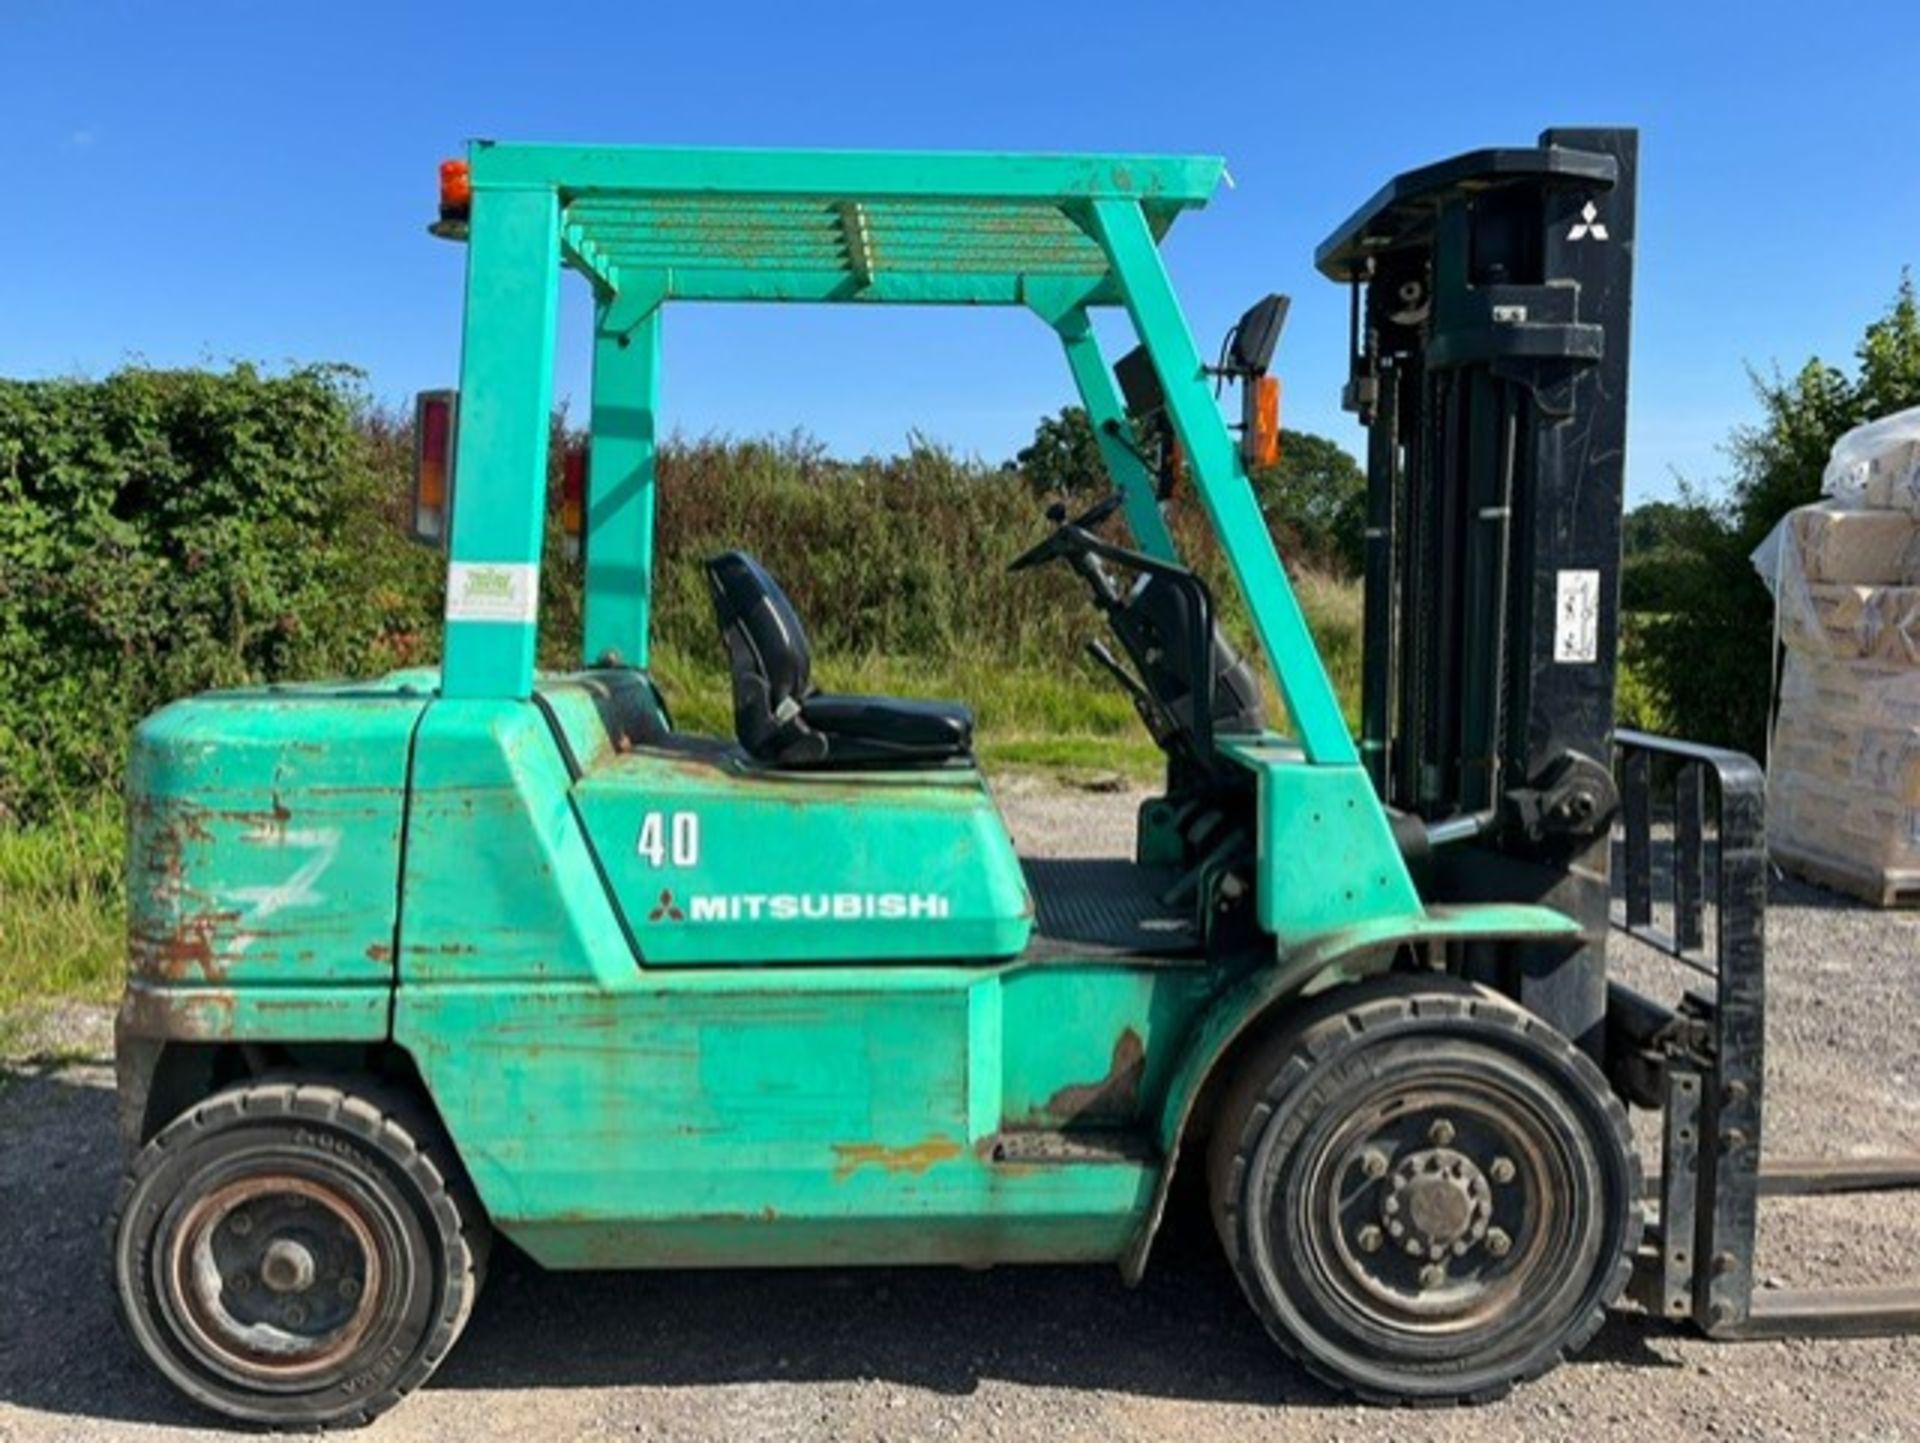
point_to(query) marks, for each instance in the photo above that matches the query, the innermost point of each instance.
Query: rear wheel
(292, 1254)
(1427, 1193)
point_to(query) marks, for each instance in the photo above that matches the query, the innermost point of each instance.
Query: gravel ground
(1054, 1353)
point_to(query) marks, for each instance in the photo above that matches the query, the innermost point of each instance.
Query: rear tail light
(435, 415)
(573, 496)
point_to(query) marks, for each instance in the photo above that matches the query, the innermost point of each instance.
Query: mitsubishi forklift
(486, 951)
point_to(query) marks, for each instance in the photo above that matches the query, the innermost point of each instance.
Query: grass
(62, 910)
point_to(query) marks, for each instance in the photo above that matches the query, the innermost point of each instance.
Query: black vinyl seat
(778, 715)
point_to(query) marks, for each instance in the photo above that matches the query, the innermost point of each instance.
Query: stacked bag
(1843, 791)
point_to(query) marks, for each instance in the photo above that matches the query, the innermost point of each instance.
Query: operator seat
(778, 715)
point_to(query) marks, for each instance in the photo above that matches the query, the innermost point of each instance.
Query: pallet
(1881, 886)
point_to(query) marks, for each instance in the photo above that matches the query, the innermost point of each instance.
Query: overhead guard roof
(818, 225)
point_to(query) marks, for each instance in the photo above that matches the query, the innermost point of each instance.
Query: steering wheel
(1059, 541)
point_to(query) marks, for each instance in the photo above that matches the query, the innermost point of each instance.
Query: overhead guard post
(506, 389)
(620, 482)
(1222, 483)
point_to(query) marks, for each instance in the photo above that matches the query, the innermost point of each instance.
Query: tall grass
(63, 902)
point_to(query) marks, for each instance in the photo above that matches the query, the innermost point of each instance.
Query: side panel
(1092, 1046)
(730, 1119)
(265, 838)
(715, 864)
(499, 882)
(619, 1115)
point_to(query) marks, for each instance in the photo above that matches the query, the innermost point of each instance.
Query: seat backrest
(767, 652)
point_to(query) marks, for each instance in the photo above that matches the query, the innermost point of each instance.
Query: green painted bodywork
(674, 1007)
(851, 867)
(265, 834)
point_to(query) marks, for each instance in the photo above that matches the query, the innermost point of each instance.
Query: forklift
(484, 950)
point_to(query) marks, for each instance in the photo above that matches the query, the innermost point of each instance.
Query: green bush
(162, 532)
(1702, 642)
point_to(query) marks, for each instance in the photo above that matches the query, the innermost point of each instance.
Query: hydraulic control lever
(1153, 715)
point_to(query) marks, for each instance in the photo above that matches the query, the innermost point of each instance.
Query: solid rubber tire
(1309, 1064)
(380, 1143)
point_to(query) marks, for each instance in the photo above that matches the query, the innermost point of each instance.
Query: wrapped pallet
(1843, 785)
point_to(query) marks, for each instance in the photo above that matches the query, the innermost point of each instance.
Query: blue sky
(190, 183)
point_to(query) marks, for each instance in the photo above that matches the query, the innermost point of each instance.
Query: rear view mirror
(1139, 383)
(435, 415)
(1256, 335)
(1146, 403)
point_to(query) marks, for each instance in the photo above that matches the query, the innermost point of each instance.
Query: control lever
(1157, 723)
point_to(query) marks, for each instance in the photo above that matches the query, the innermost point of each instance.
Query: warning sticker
(1576, 616)
(492, 591)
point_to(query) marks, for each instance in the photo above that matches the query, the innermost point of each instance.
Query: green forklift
(484, 951)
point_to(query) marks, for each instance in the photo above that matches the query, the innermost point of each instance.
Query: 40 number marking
(670, 839)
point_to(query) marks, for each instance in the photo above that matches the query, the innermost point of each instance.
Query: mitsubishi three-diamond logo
(667, 910)
(1589, 226)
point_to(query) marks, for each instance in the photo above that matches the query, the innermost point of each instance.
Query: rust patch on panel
(914, 1157)
(1114, 1096)
(184, 950)
(192, 1017)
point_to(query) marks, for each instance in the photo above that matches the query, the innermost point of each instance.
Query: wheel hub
(1438, 1217)
(287, 1266)
(1437, 1201)
(278, 1275)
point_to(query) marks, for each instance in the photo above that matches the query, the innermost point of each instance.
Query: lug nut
(1498, 1243)
(1370, 1239)
(1374, 1164)
(1412, 1245)
(1432, 1275)
(1441, 1133)
(1501, 1170)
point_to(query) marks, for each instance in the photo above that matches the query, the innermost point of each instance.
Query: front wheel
(1427, 1193)
(293, 1254)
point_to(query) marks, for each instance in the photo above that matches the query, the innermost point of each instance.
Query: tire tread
(383, 1119)
(1304, 1044)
